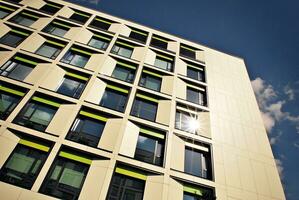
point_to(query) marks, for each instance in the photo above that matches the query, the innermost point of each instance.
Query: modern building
(96, 107)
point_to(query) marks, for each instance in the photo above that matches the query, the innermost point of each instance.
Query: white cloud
(289, 92)
(269, 121)
(275, 139)
(279, 168)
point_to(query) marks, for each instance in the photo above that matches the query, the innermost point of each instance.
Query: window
(24, 18)
(159, 42)
(76, 57)
(182, 121)
(79, 17)
(66, 176)
(138, 35)
(197, 193)
(51, 8)
(13, 38)
(57, 28)
(150, 147)
(198, 163)
(195, 73)
(114, 98)
(87, 128)
(18, 68)
(151, 80)
(24, 164)
(195, 96)
(99, 42)
(126, 185)
(101, 23)
(72, 85)
(122, 49)
(9, 98)
(5, 10)
(124, 72)
(163, 62)
(37, 114)
(145, 107)
(188, 52)
(50, 49)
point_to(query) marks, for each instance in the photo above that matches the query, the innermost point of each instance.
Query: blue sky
(264, 33)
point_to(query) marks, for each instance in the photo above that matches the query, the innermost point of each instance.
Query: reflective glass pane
(7, 104)
(79, 60)
(48, 51)
(97, 43)
(22, 20)
(20, 72)
(192, 95)
(3, 14)
(11, 39)
(144, 109)
(162, 64)
(122, 73)
(58, 31)
(71, 87)
(114, 100)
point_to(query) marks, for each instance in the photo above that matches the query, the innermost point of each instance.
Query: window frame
(120, 46)
(73, 77)
(59, 47)
(144, 79)
(50, 28)
(24, 15)
(137, 104)
(105, 40)
(73, 54)
(119, 91)
(17, 33)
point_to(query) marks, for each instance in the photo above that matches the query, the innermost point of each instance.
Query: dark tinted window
(8, 102)
(144, 109)
(123, 73)
(159, 42)
(114, 100)
(150, 82)
(138, 35)
(24, 18)
(49, 50)
(56, 28)
(71, 87)
(196, 96)
(12, 39)
(98, 43)
(75, 58)
(16, 70)
(195, 74)
(50, 8)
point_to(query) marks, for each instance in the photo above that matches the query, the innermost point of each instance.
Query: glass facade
(8, 102)
(16, 70)
(123, 73)
(195, 74)
(71, 87)
(144, 109)
(182, 121)
(49, 50)
(98, 43)
(57, 29)
(163, 64)
(75, 58)
(12, 39)
(150, 82)
(24, 19)
(122, 51)
(114, 100)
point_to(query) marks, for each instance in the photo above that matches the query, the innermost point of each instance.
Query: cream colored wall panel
(5, 56)
(150, 57)
(9, 192)
(36, 74)
(108, 65)
(4, 29)
(154, 188)
(177, 153)
(41, 23)
(180, 89)
(27, 194)
(167, 84)
(83, 35)
(180, 67)
(232, 173)
(110, 134)
(95, 91)
(129, 140)
(260, 177)
(175, 190)
(33, 42)
(53, 77)
(94, 62)
(164, 107)
(219, 173)
(246, 172)
(138, 53)
(8, 141)
(173, 46)
(274, 182)
(37, 4)
(94, 180)
(120, 29)
(203, 119)
(65, 12)
(62, 120)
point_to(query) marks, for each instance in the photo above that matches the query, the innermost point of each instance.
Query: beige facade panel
(8, 141)
(173, 46)
(167, 84)
(10, 192)
(62, 120)
(53, 77)
(138, 53)
(37, 4)
(200, 55)
(4, 29)
(95, 91)
(27, 194)
(94, 62)
(163, 112)
(129, 140)
(111, 132)
(107, 65)
(180, 67)
(150, 57)
(36, 74)
(41, 23)
(175, 190)
(79, 34)
(203, 119)
(181, 89)
(177, 153)
(4, 56)
(65, 12)
(154, 186)
(95, 178)
(120, 28)
(33, 42)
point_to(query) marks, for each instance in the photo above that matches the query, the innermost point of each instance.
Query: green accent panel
(125, 44)
(12, 91)
(192, 190)
(7, 8)
(34, 145)
(81, 51)
(195, 67)
(147, 98)
(165, 57)
(83, 78)
(62, 25)
(102, 37)
(104, 21)
(184, 47)
(131, 173)
(55, 43)
(29, 15)
(126, 65)
(81, 14)
(52, 5)
(75, 157)
(45, 101)
(162, 40)
(141, 33)
(117, 89)
(152, 73)
(94, 116)
(19, 32)
(148, 132)
(25, 60)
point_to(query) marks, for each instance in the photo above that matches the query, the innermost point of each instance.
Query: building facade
(96, 107)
